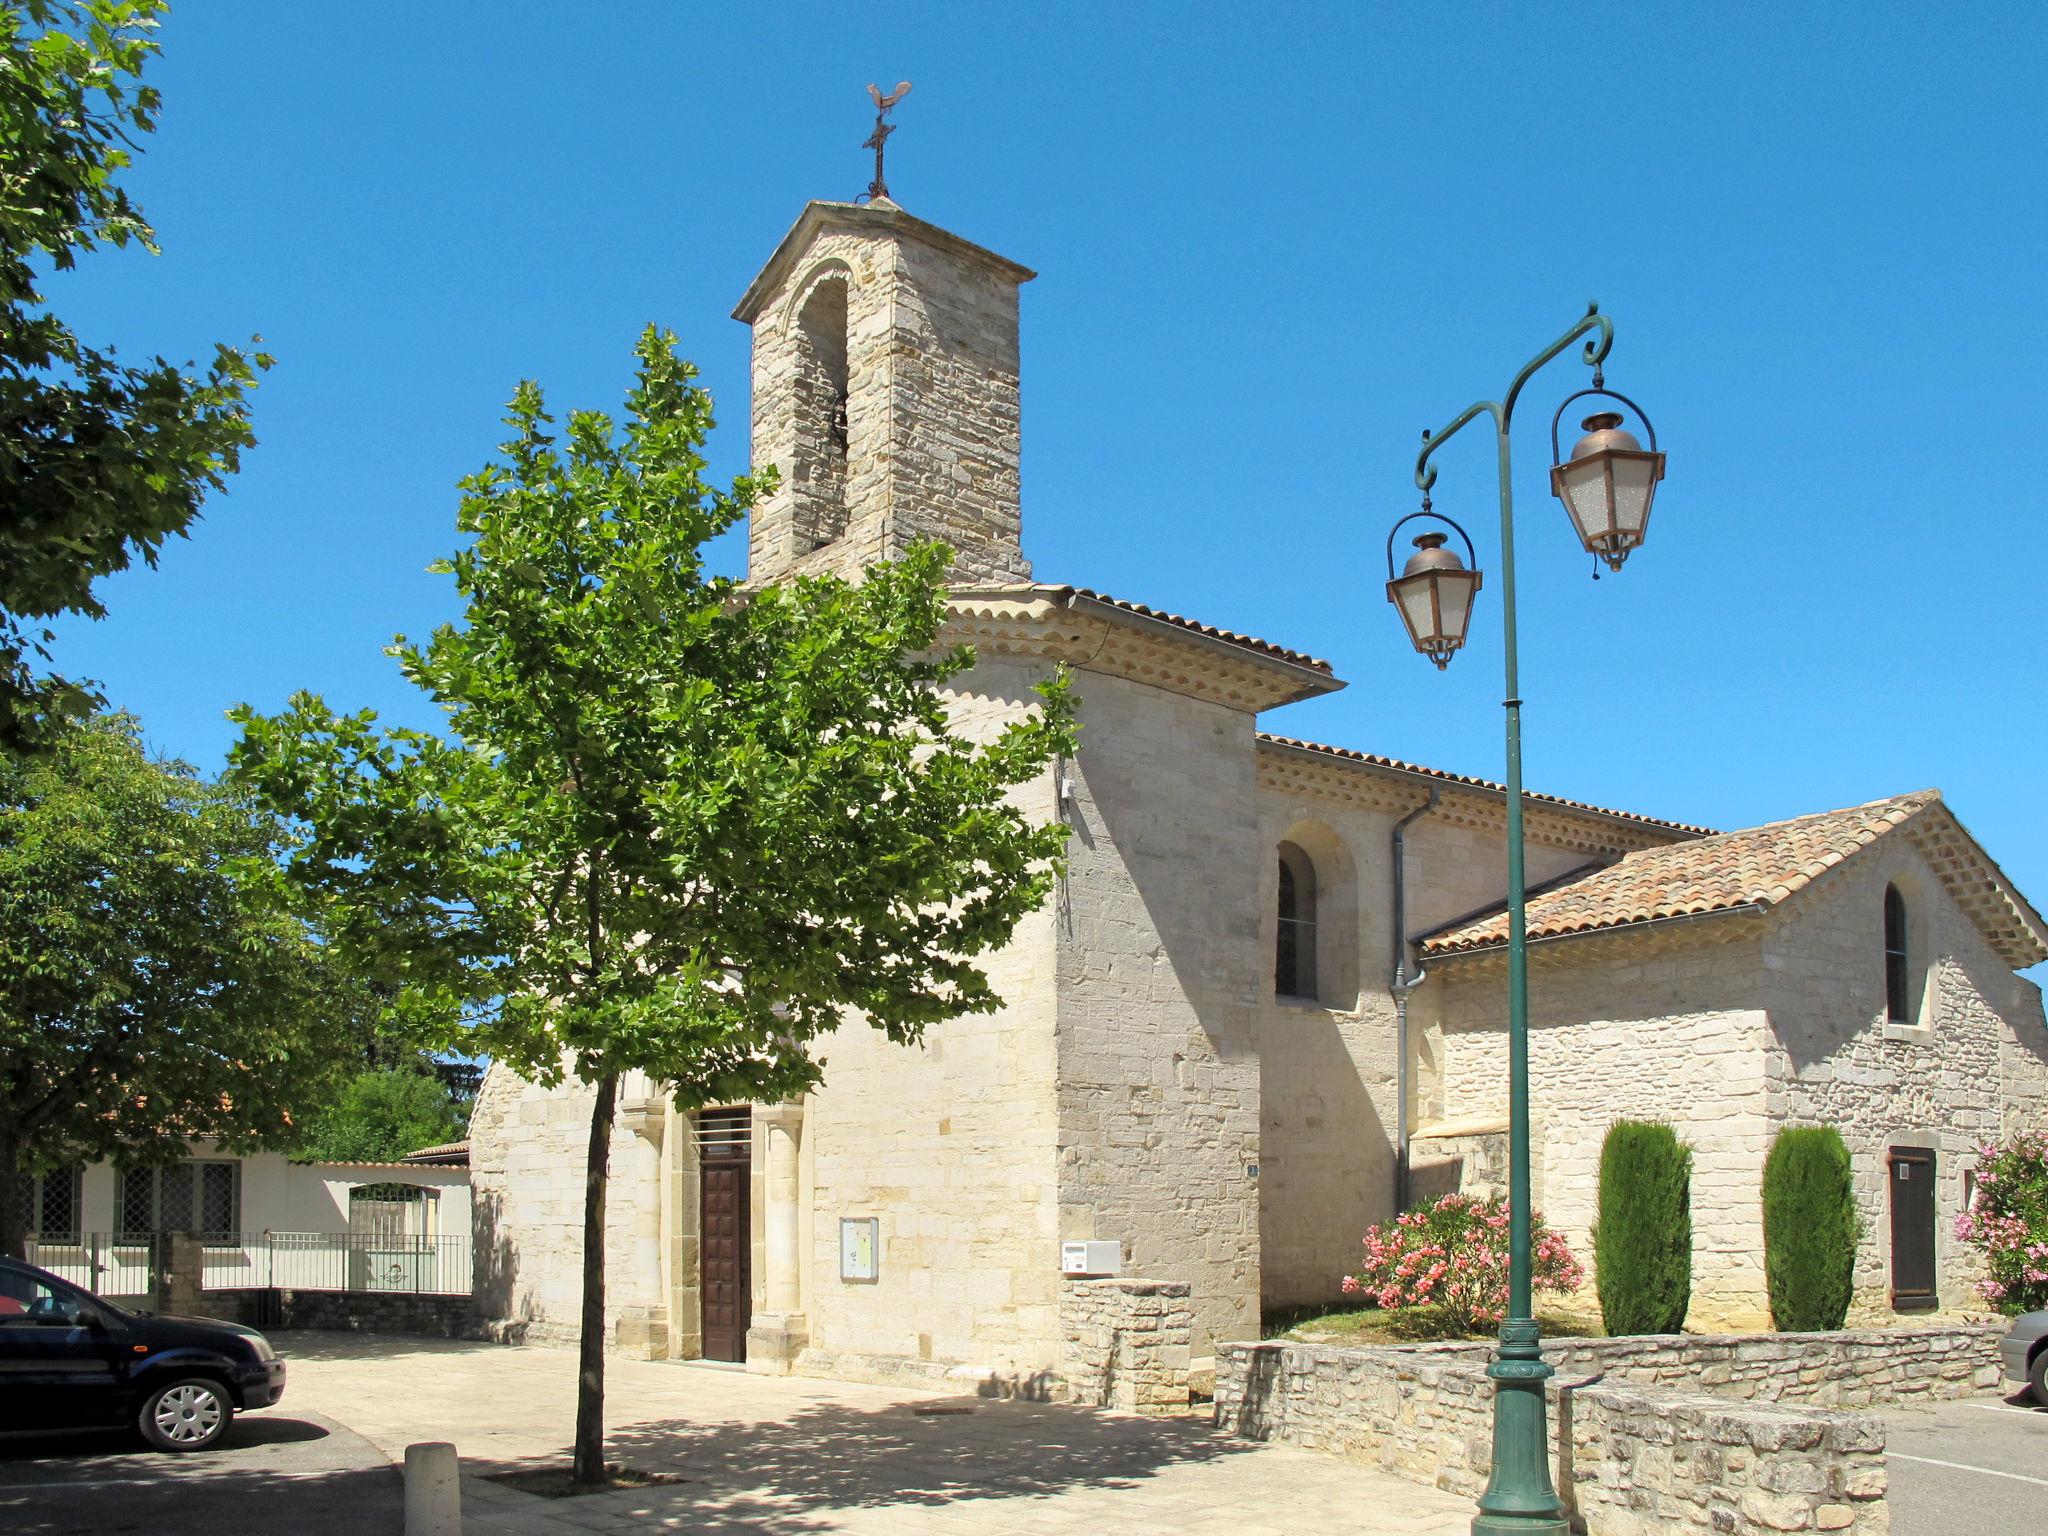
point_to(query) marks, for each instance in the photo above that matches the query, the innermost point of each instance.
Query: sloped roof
(447, 1152)
(1759, 867)
(1373, 760)
(1230, 636)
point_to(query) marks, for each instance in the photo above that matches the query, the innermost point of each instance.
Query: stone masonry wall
(1125, 1344)
(1629, 1455)
(1158, 973)
(527, 1148)
(951, 1146)
(1676, 1035)
(1972, 1067)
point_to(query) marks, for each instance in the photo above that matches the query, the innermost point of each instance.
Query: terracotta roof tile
(1487, 784)
(1755, 867)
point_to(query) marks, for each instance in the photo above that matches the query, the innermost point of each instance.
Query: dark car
(69, 1360)
(2024, 1350)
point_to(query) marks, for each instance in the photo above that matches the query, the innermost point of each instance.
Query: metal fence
(122, 1268)
(339, 1261)
(118, 1266)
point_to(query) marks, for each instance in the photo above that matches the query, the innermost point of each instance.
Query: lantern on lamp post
(1609, 481)
(1434, 591)
(1606, 486)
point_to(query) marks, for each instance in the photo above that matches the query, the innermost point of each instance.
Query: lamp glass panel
(1634, 482)
(1585, 497)
(1454, 598)
(1418, 611)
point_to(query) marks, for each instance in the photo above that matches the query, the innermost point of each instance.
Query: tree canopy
(155, 982)
(100, 460)
(380, 1116)
(674, 826)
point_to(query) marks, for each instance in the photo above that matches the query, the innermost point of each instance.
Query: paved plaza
(775, 1455)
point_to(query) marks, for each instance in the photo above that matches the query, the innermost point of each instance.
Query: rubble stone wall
(1125, 1343)
(1669, 1433)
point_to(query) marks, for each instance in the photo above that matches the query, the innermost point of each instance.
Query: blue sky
(1275, 242)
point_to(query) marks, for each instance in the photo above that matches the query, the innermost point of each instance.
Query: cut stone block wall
(1628, 1455)
(1328, 1066)
(1678, 1035)
(1156, 982)
(1125, 1343)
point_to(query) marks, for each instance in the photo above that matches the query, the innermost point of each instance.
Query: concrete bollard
(433, 1490)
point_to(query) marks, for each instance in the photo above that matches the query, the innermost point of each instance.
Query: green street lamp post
(1606, 486)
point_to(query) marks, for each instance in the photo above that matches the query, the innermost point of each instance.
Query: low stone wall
(448, 1317)
(1125, 1343)
(1737, 1432)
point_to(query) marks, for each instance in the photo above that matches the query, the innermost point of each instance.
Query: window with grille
(50, 1204)
(204, 1197)
(725, 1135)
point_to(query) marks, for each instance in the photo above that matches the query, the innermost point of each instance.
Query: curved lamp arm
(1503, 411)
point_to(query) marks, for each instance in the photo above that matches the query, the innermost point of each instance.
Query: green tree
(380, 1116)
(100, 461)
(675, 827)
(155, 983)
(1642, 1241)
(1810, 1229)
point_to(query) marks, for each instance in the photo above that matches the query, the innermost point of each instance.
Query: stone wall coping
(1132, 1286)
(1956, 1335)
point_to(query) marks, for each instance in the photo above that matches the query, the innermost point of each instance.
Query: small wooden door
(1911, 1177)
(725, 1233)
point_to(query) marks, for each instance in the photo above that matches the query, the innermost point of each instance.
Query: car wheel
(2037, 1376)
(189, 1414)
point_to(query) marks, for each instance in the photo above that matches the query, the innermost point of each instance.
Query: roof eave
(1608, 930)
(819, 214)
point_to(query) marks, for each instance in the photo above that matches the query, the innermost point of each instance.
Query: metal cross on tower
(878, 187)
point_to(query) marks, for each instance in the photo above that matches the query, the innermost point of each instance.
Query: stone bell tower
(885, 391)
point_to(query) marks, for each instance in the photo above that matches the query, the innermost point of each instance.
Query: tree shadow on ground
(789, 1475)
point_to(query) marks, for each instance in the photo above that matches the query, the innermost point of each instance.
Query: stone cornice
(1369, 786)
(1092, 634)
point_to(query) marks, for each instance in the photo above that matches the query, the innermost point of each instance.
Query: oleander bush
(1451, 1253)
(2007, 1222)
(1810, 1229)
(1642, 1242)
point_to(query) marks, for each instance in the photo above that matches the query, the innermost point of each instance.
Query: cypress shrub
(1642, 1243)
(1810, 1229)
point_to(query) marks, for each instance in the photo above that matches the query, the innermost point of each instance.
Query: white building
(259, 1213)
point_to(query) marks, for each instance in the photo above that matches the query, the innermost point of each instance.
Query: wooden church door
(725, 1236)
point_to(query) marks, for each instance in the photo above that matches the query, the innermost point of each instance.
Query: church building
(1267, 1001)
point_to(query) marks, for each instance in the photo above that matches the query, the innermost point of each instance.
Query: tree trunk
(13, 1211)
(589, 1463)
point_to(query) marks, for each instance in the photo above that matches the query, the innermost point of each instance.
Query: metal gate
(1911, 1179)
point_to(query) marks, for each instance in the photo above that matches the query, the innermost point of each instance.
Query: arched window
(1294, 960)
(1898, 998)
(818, 473)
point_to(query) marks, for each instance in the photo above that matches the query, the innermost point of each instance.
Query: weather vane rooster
(883, 128)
